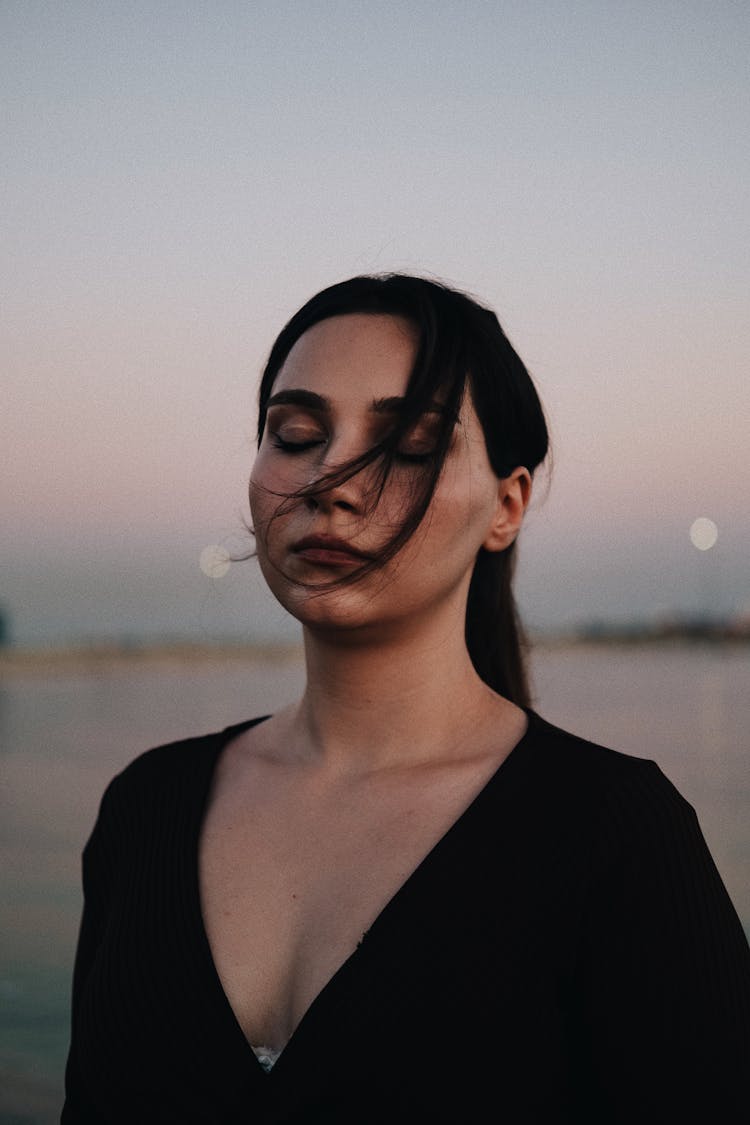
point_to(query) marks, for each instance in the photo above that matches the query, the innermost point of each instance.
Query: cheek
(278, 475)
(266, 492)
(275, 476)
(463, 509)
(257, 495)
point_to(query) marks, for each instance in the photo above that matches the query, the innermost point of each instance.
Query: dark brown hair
(457, 340)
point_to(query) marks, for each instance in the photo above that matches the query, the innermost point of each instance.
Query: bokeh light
(214, 561)
(703, 533)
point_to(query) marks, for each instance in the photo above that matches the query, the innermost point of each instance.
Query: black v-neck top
(567, 952)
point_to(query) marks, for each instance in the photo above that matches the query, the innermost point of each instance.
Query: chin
(336, 607)
(342, 610)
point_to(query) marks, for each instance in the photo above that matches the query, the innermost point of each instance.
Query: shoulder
(171, 771)
(593, 766)
(620, 796)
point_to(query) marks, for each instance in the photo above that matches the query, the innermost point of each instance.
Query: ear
(513, 496)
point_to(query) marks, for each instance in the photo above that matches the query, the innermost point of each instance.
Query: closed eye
(294, 446)
(415, 458)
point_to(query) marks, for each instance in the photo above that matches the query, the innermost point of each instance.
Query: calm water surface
(63, 736)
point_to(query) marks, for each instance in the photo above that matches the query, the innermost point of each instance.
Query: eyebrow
(320, 403)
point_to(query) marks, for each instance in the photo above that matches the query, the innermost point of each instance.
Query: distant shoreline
(98, 657)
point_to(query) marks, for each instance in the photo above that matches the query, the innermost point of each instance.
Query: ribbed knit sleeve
(664, 969)
(96, 877)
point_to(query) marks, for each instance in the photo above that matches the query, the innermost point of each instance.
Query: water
(65, 733)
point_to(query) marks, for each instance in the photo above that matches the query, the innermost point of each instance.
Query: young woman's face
(334, 397)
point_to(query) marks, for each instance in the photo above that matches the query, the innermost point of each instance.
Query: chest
(292, 878)
(462, 967)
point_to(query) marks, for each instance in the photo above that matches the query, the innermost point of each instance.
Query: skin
(339, 797)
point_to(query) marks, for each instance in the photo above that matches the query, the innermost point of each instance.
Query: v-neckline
(505, 768)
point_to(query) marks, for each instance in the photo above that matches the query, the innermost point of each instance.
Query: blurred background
(179, 178)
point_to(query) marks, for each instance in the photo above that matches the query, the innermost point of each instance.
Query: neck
(371, 702)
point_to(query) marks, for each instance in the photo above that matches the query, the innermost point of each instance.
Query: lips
(327, 550)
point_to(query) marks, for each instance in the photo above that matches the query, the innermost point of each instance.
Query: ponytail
(494, 634)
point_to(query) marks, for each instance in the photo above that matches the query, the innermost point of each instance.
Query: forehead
(354, 357)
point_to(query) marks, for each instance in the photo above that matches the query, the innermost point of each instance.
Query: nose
(353, 494)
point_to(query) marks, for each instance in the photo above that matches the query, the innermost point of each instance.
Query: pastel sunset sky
(180, 177)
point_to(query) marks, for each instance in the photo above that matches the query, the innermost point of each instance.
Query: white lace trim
(266, 1056)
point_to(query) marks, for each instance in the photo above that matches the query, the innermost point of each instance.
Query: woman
(406, 897)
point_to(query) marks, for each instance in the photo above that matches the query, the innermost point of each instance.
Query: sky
(179, 177)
